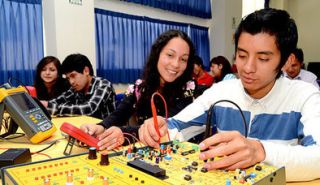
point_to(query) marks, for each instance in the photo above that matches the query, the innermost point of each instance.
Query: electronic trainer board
(174, 163)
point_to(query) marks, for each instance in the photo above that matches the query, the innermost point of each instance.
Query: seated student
(221, 69)
(200, 74)
(48, 82)
(88, 95)
(168, 71)
(202, 77)
(282, 115)
(292, 69)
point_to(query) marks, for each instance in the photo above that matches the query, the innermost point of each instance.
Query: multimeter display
(24, 103)
(26, 113)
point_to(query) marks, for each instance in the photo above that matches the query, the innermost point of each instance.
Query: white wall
(69, 28)
(306, 15)
(226, 17)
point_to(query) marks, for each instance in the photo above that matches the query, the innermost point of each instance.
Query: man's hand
(148, 134)
(110, 138)
(236, 151)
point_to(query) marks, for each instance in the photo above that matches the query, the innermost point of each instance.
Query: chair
(119, 98)
(314, 67)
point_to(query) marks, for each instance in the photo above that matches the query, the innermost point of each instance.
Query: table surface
(57, 149)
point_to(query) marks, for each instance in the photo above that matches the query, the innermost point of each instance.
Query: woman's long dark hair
(226, 67)
(151, 75)
(41, 89)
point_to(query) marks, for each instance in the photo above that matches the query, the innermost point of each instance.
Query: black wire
(21, 83)
(51, 144)
(13, 136)
(210, 127)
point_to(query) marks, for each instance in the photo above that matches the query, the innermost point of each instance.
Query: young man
(200, 74)
(292, 69)
(282, 115)
(88, 95)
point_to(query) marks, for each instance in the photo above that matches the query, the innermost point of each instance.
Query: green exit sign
(77, 2)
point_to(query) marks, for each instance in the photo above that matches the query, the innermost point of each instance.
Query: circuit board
(174, 163)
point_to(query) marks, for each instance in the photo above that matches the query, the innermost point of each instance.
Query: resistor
(105, 181)
(69, 179)
(46, 181)
(90, 174)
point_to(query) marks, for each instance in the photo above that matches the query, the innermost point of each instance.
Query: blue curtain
(197, 8)
(21, 39)
(123, 43)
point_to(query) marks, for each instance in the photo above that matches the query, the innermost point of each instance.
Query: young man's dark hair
(198, 60)
(76, 62)
(299, 54)
(277, 23)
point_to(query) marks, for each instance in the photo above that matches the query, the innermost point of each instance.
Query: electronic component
(79, 135)
(15, 156)
(147, 168)
(26, 113)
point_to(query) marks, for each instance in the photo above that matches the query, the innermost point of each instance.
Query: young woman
(49, 83)
(168, 71)
(221, 69)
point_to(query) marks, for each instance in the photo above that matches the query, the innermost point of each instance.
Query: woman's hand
(148, 134)
(110, 138)
(92, 129)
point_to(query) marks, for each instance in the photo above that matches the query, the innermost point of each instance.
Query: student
(221, 69)
(282, 115)
(200, 74)
(168, 71)
(292, 69)
(48, 82)
(89, 95)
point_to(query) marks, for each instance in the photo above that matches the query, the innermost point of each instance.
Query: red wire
(154, 113)
(32, 153)
(134, 137)
(127, 140)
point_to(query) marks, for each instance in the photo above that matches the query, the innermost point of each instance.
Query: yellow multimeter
(26, 113)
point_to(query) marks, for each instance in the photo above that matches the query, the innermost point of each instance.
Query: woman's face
(216, 70)
(173, 60)
(49, 73)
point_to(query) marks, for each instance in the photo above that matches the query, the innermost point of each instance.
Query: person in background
(88, 95)
(282, 116)
(168, 71)
(221, 69)
(201, 76)
(293, 68)
(48, 82)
